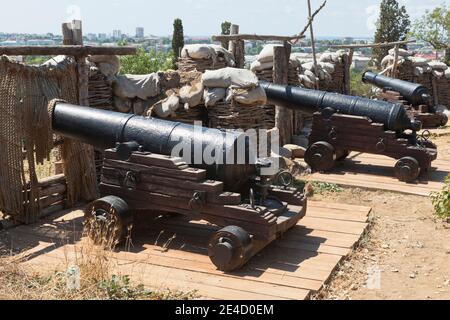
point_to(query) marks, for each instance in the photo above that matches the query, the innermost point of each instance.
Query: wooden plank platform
(171, 253)
(369, 171)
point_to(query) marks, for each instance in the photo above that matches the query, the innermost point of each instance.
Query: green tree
(226, 30)
(434, 27)
(393, 25)
(178, 37)
(146, 62)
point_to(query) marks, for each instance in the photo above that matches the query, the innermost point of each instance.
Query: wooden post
(73, 35)
(394, 67)
(237, 48)
(313, 43)
(284, 117)
(348, 71)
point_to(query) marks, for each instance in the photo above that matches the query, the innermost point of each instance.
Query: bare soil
(406, 254)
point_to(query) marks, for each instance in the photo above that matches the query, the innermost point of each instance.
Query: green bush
(358, 87)
(147, 62)
(441, 201)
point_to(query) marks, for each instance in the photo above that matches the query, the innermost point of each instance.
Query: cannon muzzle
(393, 116)
(414, 93)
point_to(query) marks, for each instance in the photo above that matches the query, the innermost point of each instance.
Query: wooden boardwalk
(376, 172)
(294, 267)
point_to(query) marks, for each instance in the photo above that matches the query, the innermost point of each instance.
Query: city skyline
(201, 17)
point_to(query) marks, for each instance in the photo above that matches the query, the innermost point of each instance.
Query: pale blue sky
(200, 17)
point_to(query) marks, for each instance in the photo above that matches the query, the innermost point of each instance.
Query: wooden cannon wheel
(321, 156)
(407, 169)
(229, 249)
(107, 221)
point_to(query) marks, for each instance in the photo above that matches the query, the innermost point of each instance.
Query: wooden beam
(284, 117)
(396, 56)
(374, 45)
(311, 18)
(69, 50)
(348, 72)
(255, 37)
(313, 43)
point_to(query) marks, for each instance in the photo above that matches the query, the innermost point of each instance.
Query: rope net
(26, 138)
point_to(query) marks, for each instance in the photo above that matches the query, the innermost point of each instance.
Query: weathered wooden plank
(188, 174)
(151, 159)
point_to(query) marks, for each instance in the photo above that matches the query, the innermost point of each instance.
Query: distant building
(102, 36)
(139, 33)
(91, 36)
(117, 34)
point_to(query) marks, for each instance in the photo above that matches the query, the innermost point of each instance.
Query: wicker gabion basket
(233, 115)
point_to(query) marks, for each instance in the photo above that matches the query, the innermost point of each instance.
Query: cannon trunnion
(415, 97)
(141, 176)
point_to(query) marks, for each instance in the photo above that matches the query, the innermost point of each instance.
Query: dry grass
(88, 275)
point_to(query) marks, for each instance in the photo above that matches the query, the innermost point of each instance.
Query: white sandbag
(227, 55)
(108, 65)
(438, 74)
(55, 61)
(122, 105)
(198, 52)
(224, 78)
(328, 67)
(331, 57)
(447, 73)
(137, 86)
(214, 95)
(387, 61)
(418, 71)
(255, 97)
(166, 108)
(258, 66)
(308, 66)
(418, 61)
(401, 53)
(438, 65)
(306, 81)
(267, 53)
(191, 96)
(311, 75)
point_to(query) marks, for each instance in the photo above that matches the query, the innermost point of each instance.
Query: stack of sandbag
(263, 68)
(434, 75)
(136, 93)
(182, 103)
(234, 99)
(202, 57)
(329, 74)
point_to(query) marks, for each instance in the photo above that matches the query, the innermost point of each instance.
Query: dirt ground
(406, 254)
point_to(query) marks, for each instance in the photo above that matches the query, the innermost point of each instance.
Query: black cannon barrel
(105, 129)
(415, 94)
(393, 116)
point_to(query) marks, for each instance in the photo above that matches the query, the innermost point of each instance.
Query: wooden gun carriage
(344, 123)
(333, 138)
(141, 176)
